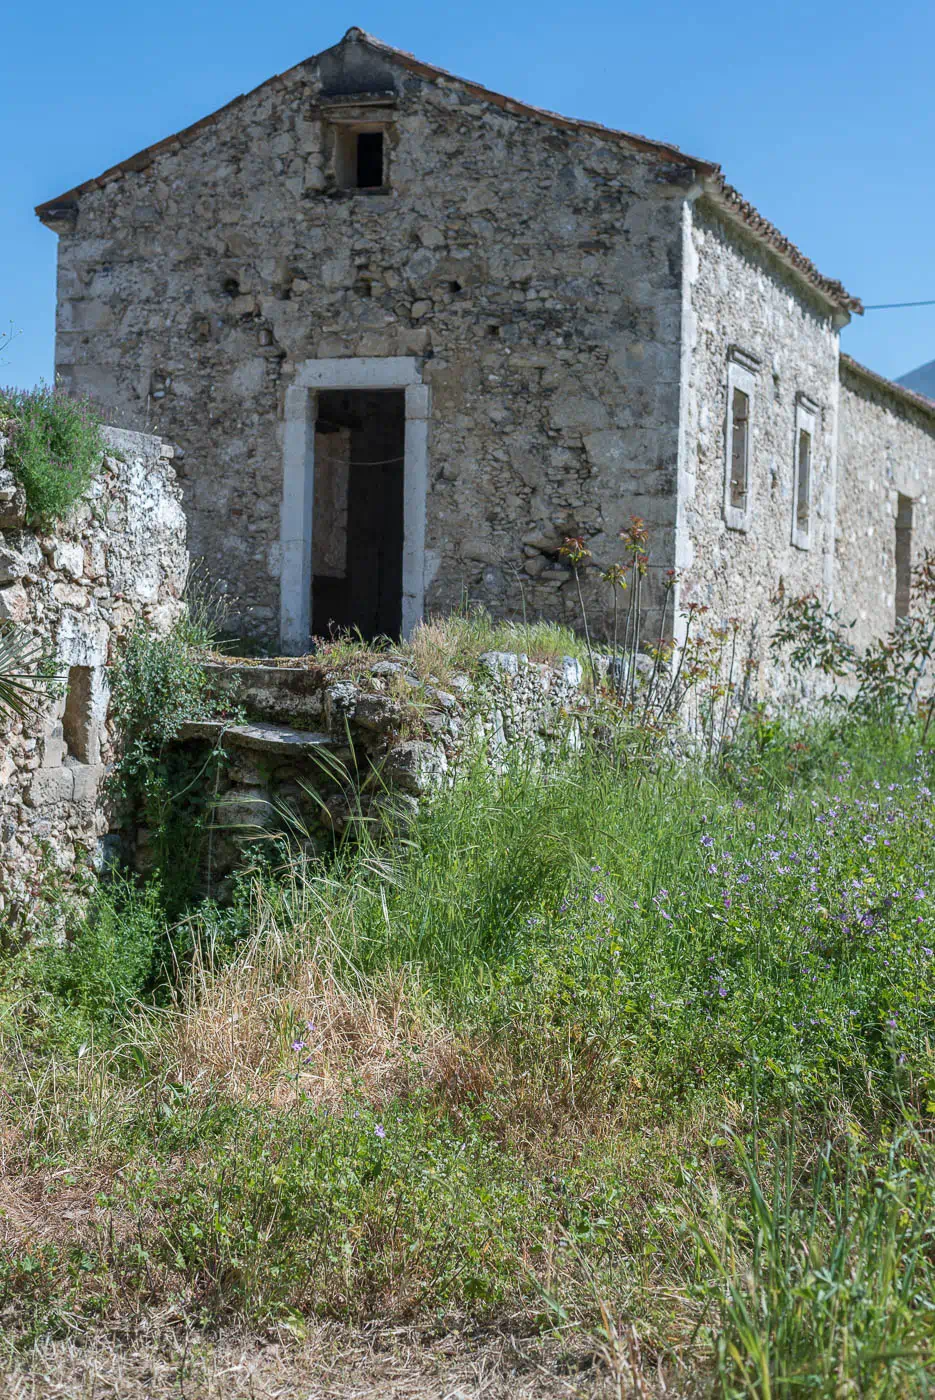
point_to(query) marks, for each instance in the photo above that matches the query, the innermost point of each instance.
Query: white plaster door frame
(298, 484)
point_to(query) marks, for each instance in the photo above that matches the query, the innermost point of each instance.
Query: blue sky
(820, 113)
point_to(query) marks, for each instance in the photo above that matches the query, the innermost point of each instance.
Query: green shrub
(55, 449)
(157, 683)
(106, 958)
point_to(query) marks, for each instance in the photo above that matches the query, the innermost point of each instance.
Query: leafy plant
(159, 682)
(108, 957)
(884, 680)
(55, 448)
(21, 660)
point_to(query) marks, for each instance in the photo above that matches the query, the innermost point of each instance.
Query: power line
(892, 305)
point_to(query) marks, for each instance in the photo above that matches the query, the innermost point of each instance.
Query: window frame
(741, 375)
(345, 155)
(806, 421)
(902, 556)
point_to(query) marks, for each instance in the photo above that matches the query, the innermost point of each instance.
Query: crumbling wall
(886, 451)
(533, 271)
(120, 558)
(741, 302)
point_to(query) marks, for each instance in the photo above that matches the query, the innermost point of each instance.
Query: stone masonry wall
(119, 559)
(742, 302)
(886, 449)
(535, 271)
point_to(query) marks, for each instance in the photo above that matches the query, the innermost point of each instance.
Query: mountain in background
(921, 380)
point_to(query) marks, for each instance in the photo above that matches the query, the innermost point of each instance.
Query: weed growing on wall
(55, 448)
(885, 680)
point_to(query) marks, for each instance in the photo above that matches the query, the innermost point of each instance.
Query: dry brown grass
(334, 1362)
(436, 650)
(234, 1026)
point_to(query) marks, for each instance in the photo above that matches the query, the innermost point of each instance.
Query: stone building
(407, 333)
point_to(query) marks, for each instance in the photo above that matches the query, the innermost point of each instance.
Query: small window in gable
(741, 374)
(369, 159)
(360, 157)
(805, 420)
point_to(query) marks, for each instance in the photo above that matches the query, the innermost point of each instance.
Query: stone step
(277, 739)
(283, 694)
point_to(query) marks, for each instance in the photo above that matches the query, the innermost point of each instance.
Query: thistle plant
(616, 576)
(575, 551)
(635, 540)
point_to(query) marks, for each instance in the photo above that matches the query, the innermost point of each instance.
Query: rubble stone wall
(742, 307)
(119, 559)
(886, 450)
(533, 272)
(312, 750)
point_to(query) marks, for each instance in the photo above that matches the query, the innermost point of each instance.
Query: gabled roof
(730, 202)
(907, 397)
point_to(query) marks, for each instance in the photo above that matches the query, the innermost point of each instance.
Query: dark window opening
(740, 448)
(803, 481)
(79, 730)
(369, 160)
(903, 555)
(357, 530)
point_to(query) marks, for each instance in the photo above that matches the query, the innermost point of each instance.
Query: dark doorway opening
(357, 533)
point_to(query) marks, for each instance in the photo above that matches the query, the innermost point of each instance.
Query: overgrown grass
(625, 1046)
(443, 646)
(55, 448)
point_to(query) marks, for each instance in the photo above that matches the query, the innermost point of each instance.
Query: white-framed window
(738, 439)
(803, 467)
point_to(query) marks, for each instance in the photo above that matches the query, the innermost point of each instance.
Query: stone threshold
(261, 738)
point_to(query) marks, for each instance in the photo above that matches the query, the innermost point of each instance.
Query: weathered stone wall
(120, 558)
(740, 301)
(886, 449)
(533, 270)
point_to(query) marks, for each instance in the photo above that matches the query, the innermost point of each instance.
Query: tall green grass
(822, 1282)
(539, 1054)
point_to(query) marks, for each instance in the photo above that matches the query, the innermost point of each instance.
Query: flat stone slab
(262, 738)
